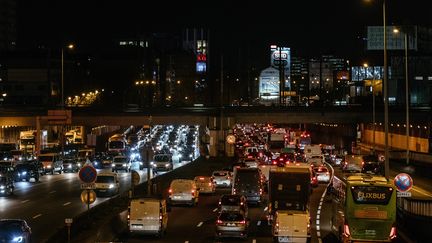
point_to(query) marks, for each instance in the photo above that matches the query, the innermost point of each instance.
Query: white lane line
(37, 216)
(200, 224)
(318, 222)
(318, 227)
(319, 234)
(318, 216)
(259, 223)
(265, 209)
(216, 209)
(186, 241)
(51, 192)
(319, 208)
(319, 240)
(65, 204)
(254, 241)
(25, 201)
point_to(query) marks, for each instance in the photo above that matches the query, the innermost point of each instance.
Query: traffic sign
(403, 194)
(88, 196)
(87, 174)
(68, 221)
(230, 139)
(403, 182)
(135, 178)
(88, 186)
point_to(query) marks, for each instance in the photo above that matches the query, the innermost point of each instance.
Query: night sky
(310, 28)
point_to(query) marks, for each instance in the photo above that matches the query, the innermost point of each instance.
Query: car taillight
(363, 163)
(392, 233)
(243, 222)
(160, 217)
(261, 191)
(327, 173)
(210, 184)
(219, 221)
(170, 191)
(274, 162)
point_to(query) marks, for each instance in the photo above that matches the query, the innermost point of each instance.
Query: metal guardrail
(418, 207)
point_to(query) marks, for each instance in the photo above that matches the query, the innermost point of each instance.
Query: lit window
(429, 78)
(418, 78)
(122, 43)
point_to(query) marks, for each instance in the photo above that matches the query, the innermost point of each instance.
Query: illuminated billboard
(281, 56)
(269, 84)
(201, 52)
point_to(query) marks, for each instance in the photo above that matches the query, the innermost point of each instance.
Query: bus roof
(360, 178)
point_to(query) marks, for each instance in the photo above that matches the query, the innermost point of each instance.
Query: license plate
(177, 197)
(370, 232)
(137, 226)
(283, 239)
(231, 224)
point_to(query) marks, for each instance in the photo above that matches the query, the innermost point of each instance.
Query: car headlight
(190, 155)
(96, 163)
(113, 165)
(2, 187)
(24, 173)
(69, 166)
(49, 166)
(167, 165)
(111, 186)
(17, 239)
(124, 165)
(79, 164)
(141, 163)
(152, 163)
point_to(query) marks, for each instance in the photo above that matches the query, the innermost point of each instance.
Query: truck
(276, 142)
(117, 144)
(27, 140)
(289, 195)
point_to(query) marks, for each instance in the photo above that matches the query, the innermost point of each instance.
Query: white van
(51, 162)
(107, 183)
(291, 226)
(147, 216)
(183, 191)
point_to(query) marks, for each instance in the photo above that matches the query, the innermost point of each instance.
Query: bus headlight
(111, 186)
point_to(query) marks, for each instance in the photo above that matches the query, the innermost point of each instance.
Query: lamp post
(70, 46)
(385, 92)
(407, 99)
(373, 108)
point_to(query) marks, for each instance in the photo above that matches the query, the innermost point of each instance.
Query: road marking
(319, 234)
(216, 209)
(254, 241)
(51, 192)
(187, 241)
(200, 224)
(25, 201)
(318, 222)
(37, 216)
(259, 223)
(318, 215)
(265, 209)
(319, 207)
(65, 204)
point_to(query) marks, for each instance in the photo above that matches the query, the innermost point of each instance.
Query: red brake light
(346, 230)
(219, 221)
(201, 178)
(170, 191)
(243, 222)
(392, 233)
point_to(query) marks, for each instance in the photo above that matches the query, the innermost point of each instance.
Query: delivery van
(147, 216)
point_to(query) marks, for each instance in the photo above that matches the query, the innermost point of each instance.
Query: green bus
(363, 208)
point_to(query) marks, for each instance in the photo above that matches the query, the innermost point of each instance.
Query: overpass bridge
(212, 116)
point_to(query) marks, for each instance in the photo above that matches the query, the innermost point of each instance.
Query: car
(232, 224)
(322, 174)
(14, 230)
(233, 203)
(205, 184)
(251, 162)
(148, 216)
(6, 184)
(71, 165)
(121, 162)
(222, 178)
(183, 191)
(107, 183)
(28, 170)
(372, 165)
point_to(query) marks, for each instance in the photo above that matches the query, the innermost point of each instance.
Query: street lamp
(70, 47)
(373, 108)
(407, 100)
(385, 87)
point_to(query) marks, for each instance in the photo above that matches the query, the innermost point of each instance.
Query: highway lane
(47, 203)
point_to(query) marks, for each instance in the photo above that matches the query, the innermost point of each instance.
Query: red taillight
(201, 178)
(219, 221)
(393, 232)
(243, 222)
(160, 217)
(327, 173)
(261, 191)
(362, 162)
(274, 162)
(346, 230)
(210, 184)
(193, 192)
(170, 191)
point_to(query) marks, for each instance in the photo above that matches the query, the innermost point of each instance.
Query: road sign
(230, 139)
(87, 174)
(68, 221)
(135, 178)
(403, 194)
(88, 196)
(403, 182)
(88, 186)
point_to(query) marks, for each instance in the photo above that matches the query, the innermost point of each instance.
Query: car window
(230, 201)
(231, 217)
(219, 174)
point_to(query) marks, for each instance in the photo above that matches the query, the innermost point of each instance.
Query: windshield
(122, 159)
(161, 158)
(231, 217)
(230, 201)
(27, 141)
(117, 144)
(104, 179)
(220, 174)
(46, 158)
